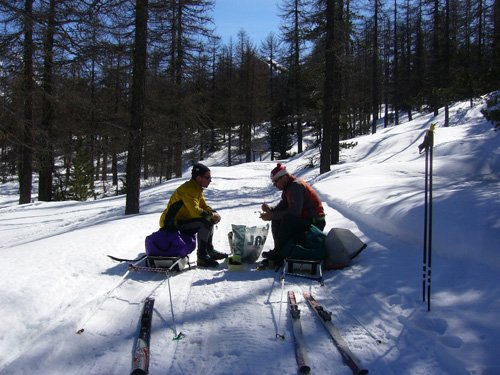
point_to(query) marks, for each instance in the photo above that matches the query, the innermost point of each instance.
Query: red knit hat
(278, 172)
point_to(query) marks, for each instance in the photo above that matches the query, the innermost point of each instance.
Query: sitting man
(188, 212)
(291, 218)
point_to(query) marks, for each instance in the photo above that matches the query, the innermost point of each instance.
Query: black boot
(214, 254)
(204, 259)
(271, 254)
(269, 264)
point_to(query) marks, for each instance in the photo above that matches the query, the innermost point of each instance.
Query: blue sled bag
(170, 243)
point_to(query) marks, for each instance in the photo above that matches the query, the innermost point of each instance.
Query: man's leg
(275, 229)
(291, 229)
(214, 254)
(204, 230)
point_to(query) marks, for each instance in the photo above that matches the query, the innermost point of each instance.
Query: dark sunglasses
(276, 181)
(208, 178)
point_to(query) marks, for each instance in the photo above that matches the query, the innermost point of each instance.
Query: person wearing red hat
(299, 207)
(188, 212)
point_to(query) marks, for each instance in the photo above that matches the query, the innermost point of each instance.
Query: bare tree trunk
(339, 37)
(296, 70)
(387, 48)
(178, 53)
(496, 45)
(46, 155)
(375, 83)
(328, 107)
(230, 109)
(396, 67)
(445, 79)
(114, 168)
(229, 141)
(419, 58)
(105, 156)
(408, 61)
(145, 158)
(137, 108)
(26, 159)
(435, 59)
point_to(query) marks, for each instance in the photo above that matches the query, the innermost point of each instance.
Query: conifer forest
(120, 89)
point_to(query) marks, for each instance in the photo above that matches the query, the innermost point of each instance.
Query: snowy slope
(56, 278)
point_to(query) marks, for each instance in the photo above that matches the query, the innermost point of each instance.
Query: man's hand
(265, 207)
(266, 216)
(215, 217)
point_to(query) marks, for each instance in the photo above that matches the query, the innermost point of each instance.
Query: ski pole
(180, 335)
(426, 217)
(102, 298)
(429, 247)
(281, 303)
(428, 145)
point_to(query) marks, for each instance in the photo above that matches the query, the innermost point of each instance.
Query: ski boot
(270, 264)
(271, 254)
(216, 255)
(204, 258)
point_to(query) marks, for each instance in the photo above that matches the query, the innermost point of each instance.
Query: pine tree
(295, 14)
(281, 133)
(80, 184)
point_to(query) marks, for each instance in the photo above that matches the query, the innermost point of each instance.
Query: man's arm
(293, 205)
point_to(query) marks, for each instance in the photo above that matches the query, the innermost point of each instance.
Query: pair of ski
(140, 359)
(141, 355)
(326, 319)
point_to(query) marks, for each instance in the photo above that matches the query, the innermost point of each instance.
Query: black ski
(176, 265)
(140, 361)
(141, 264)
(300, 346)
(116, 259)
(132, 267)
(326, 318)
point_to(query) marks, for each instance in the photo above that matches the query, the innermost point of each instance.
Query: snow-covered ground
(56, 278)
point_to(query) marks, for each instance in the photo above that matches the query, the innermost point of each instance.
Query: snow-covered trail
(230, 319)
